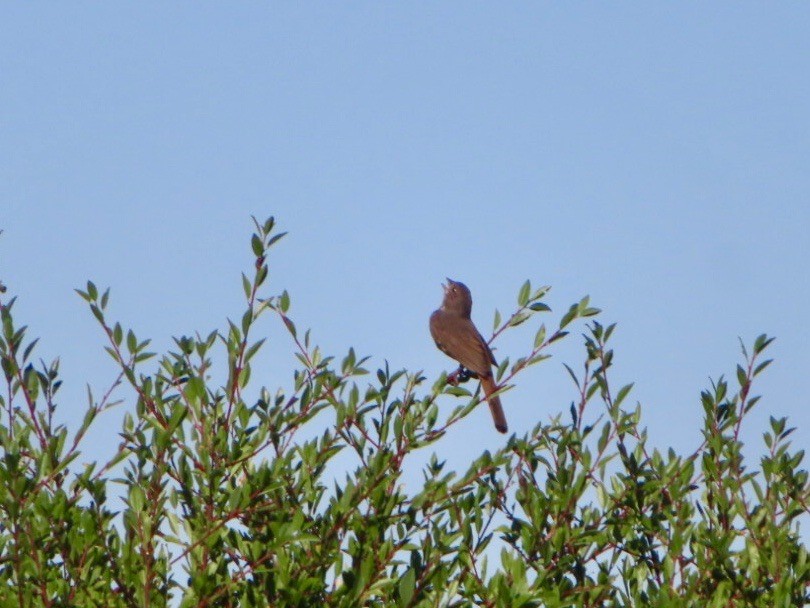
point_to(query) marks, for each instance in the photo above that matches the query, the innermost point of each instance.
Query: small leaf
(523, 295)
(623, 392)
(518, 318)
(741, 376)
(540, 336)
(247, 319)
(137, 498)
(406, 587)
(195, 389)
(29, 348)
(761, 343)
(603, 438)
(290, 325)
(261, 274)
(276, 238)
(254, 348)
(572, 374)
(762, 366)
(256, 245)
(97, 312)
(132, 341)
(572, 313)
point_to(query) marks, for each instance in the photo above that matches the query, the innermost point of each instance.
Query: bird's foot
(461, 375)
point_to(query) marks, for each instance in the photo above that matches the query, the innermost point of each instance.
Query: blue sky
(655, 157)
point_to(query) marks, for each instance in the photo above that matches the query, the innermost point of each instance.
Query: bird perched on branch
(456, 336)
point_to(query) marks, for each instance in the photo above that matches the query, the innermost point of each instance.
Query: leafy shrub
(297, 498)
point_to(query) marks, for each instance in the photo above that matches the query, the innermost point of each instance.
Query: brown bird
(456, 336)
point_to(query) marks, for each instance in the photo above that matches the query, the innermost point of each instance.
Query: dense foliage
(224, 493)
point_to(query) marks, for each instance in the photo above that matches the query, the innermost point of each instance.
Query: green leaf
(290, 325)
(604, 436)
(406, 587)
(572, 314)
(572, 374)
(29, 349)
(247, 319)
(257, 245)
(741, 376)
(261, 275)
(623, 392)
(276, 238)
(195, 389)
(97, 312)
(540, 336)
(253, 349)
(132, 341)
(762, 366)
(761, 343)
(518, 318)
(523, 294)
(137, 498)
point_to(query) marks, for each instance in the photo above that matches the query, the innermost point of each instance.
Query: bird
(455, 334)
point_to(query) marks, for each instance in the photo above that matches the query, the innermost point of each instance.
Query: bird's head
(457, 298)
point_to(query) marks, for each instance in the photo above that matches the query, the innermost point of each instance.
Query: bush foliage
(224, 493)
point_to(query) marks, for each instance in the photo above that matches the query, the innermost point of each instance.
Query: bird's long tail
(498, 417)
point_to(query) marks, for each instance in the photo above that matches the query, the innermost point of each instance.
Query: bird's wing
(489, 350)
(458, 338)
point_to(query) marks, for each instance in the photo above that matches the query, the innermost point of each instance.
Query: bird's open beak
(444, 288)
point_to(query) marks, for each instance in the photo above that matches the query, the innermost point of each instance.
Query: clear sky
(655, 156)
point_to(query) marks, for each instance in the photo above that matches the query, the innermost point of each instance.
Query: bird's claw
(459, 376)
